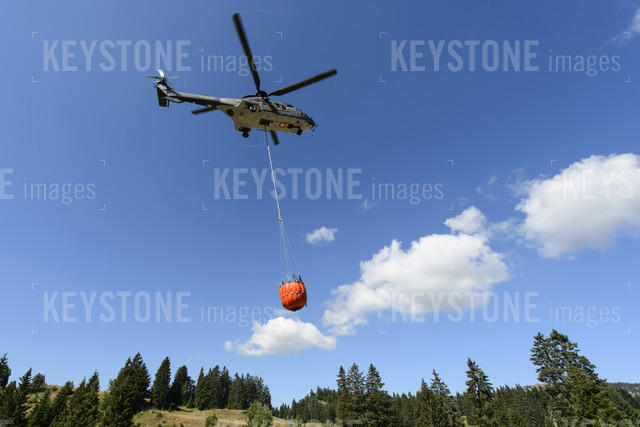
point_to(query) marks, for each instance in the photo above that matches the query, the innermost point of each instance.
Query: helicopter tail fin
(162, 101)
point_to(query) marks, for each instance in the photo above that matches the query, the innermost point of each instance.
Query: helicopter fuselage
(255, 112)
(247, 113)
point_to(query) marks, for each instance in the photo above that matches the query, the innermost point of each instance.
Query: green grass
(193, 417)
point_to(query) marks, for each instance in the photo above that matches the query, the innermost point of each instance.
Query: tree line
(570, 393)
(30, 402)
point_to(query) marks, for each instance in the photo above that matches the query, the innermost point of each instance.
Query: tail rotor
(163, 90)
(161, 76)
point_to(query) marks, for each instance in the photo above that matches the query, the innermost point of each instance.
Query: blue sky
(491, 140)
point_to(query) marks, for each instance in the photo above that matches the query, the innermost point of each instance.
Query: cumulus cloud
(436, 272)
(585, 206)
(282, 335)
(470, 221)
(322, 234)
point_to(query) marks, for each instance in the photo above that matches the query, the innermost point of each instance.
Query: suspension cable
(286, 253)
(273, 178)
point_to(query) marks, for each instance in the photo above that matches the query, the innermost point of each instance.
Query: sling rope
(286, 254)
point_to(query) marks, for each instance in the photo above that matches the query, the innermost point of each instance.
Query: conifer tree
(553, 355)
(38, 384)
(214, 388)
(589, 399)
(356, 388)
(83, 406)
(127, 393)
(75, 411)
(343, 405)
(5, 372)
(160, 389)
(19, 415)
(443, 413)
(180, 390)
(57, 410)
(8, 401)
(425, 406)
(479, 389)
(224, 387)
(202, 391)
(377, 401)
(40, 414)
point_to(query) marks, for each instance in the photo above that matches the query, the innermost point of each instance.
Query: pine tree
(552, 357)
(425, 406)
(377, 401)
(356, 389)
(38, 384)
(5, 372)
(19, 415)
(127, 393)
(225, 386)
(202, 391)
(81, 408)
(160, 389)
(8, 401)
(237, 393)
(180, 390)
(589, 399)
(480, 391)
(214, 388)
(40, 414)
(57, 410)
(443, 413)
(75, 411)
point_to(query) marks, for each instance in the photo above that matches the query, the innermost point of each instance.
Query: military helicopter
(252, 111)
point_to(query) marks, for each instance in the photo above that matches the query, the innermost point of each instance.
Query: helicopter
(252, 111)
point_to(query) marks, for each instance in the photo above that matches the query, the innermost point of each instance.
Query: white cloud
(470, 221)
(437, 272)
(585, 206)
(322, 234)
(282, 335)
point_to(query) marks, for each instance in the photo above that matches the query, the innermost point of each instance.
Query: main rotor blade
(151, 76)
(203, 110)
(247, 50)
(304, 83)
(274, 136)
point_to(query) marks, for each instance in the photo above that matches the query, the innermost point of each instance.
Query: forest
(569, 393)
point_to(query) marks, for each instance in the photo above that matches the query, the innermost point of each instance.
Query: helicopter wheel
(245, 134)
(299, 131)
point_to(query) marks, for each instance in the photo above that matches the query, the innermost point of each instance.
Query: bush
(259, 415)
(211, 420)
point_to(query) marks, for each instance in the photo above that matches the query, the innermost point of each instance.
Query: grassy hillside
(192, 417)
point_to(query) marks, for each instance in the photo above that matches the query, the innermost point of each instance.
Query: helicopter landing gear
(245, 134)
(299, 131)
